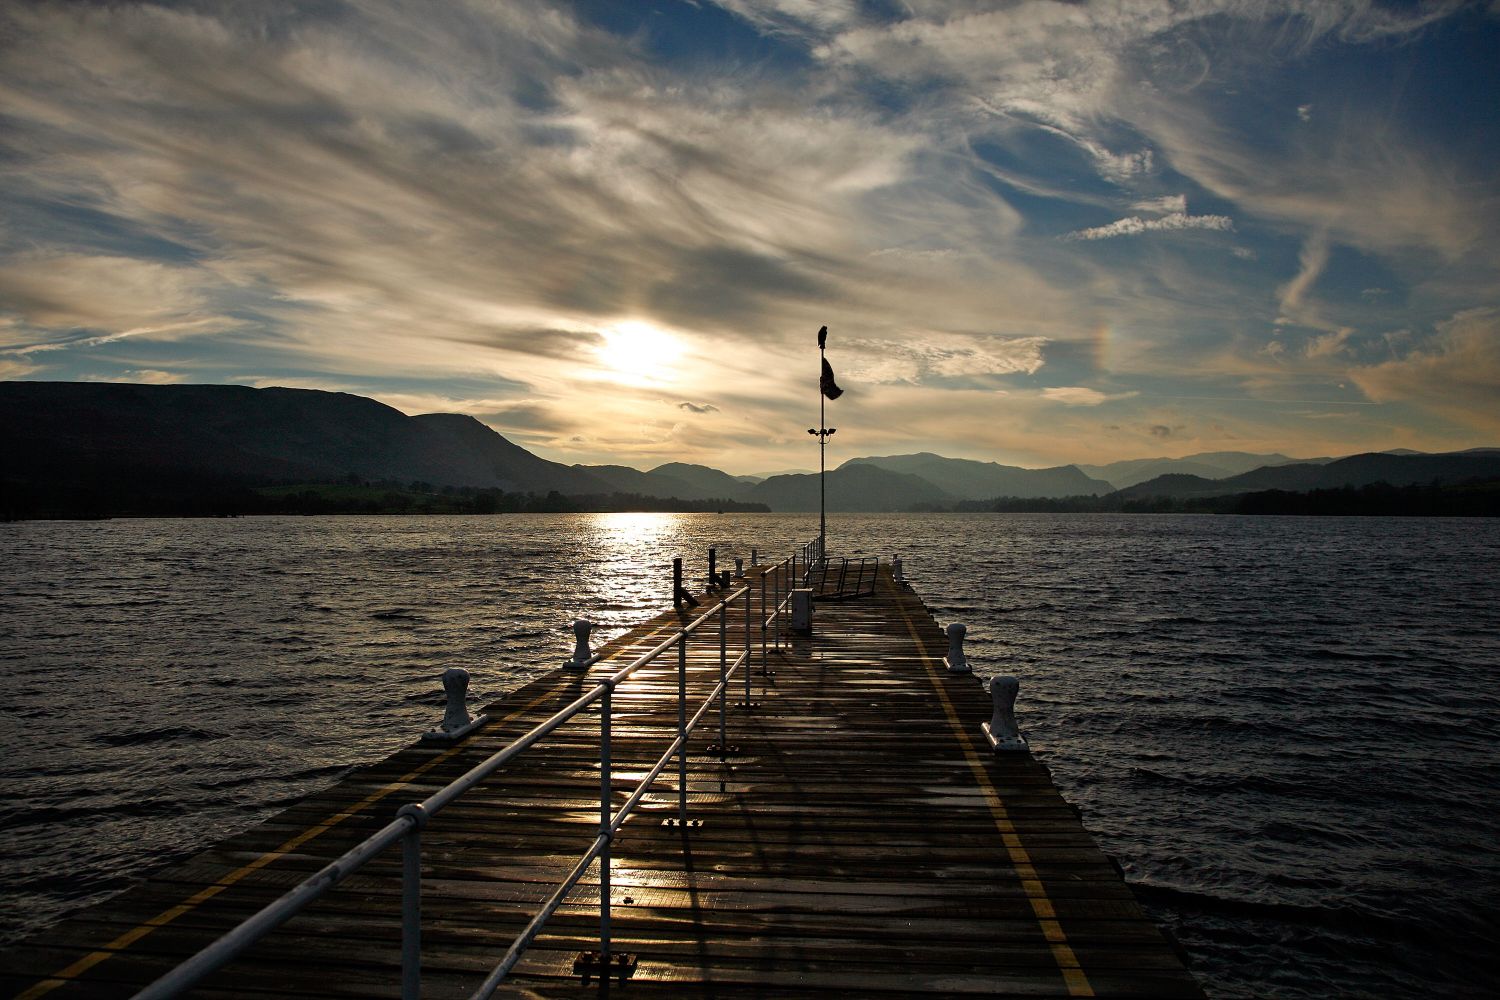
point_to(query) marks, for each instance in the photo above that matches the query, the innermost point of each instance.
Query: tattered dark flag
(827, 384)
(822, 337)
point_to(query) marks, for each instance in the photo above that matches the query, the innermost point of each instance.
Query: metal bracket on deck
(726, 750)
(680, 596)
(747, 704)
(592, 965)
(673, 823)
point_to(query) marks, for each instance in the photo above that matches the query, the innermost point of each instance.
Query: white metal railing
(812, 552)
(413, 817)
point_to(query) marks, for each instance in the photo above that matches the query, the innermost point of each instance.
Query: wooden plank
(862, 840)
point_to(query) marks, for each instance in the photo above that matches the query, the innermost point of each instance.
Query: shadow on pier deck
(862, 841)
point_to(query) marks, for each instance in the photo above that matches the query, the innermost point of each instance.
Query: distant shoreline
(1472, 499)
(28, 502)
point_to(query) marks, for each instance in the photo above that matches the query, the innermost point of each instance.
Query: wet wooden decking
(862, 842)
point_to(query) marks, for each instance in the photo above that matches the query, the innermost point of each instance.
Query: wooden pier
(857, 838)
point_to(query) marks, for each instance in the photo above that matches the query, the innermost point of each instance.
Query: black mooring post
(713, 574)
(680, 595)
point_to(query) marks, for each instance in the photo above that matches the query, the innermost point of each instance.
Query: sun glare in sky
(639, 354)
(1039, 233)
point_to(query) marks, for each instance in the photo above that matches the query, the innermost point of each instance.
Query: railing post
(606, 711)
(677, 582)
(713, 571)
(411, 903)
(682, 730)
(763, 613)
(723, 674)
(780, 575)
(747, 641)
(776, 605)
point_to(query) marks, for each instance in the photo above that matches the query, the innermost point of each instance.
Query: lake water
(1284, 729)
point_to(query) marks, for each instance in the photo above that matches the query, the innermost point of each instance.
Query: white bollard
(581, 652)
(1001, 730)
(955, 659)
(739, 568)
(456, 720)
(802, 611)
(896, 573)
(456, 687)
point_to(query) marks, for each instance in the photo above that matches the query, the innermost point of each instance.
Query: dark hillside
(970, 480)
(125, 448)
(866, 488)
(1352, 472)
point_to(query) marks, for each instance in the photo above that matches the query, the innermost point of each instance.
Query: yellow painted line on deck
(1031, 884)
(65, 975)
(130, 937)
(71, 972)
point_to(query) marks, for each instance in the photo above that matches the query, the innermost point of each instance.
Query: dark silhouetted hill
(507, 464)
(710, 482)
(123, 448)
(854, 487)
(1352, 472)
(624, 479)
(1207, 464)
(1175, 484)
(970, 480)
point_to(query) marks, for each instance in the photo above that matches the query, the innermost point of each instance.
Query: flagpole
(822, 462)
(827, 389)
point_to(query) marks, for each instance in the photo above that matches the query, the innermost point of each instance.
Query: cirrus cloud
(1077, 395)
(1135, 225)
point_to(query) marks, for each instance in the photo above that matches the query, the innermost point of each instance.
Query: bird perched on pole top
(822, 337)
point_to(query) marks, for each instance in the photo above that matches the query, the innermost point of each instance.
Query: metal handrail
(412, 817)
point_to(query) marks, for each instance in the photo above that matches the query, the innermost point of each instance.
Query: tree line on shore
(170, 497)
(1472, 498)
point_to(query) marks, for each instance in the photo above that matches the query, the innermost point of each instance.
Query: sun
(637, 353)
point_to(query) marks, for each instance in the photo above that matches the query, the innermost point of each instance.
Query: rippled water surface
(1284, 729)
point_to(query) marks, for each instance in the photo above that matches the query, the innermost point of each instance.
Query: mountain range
(1207, 465)
(146, 441)
(1394, 469)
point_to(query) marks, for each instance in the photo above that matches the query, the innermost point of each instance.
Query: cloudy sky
(1038, 232)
